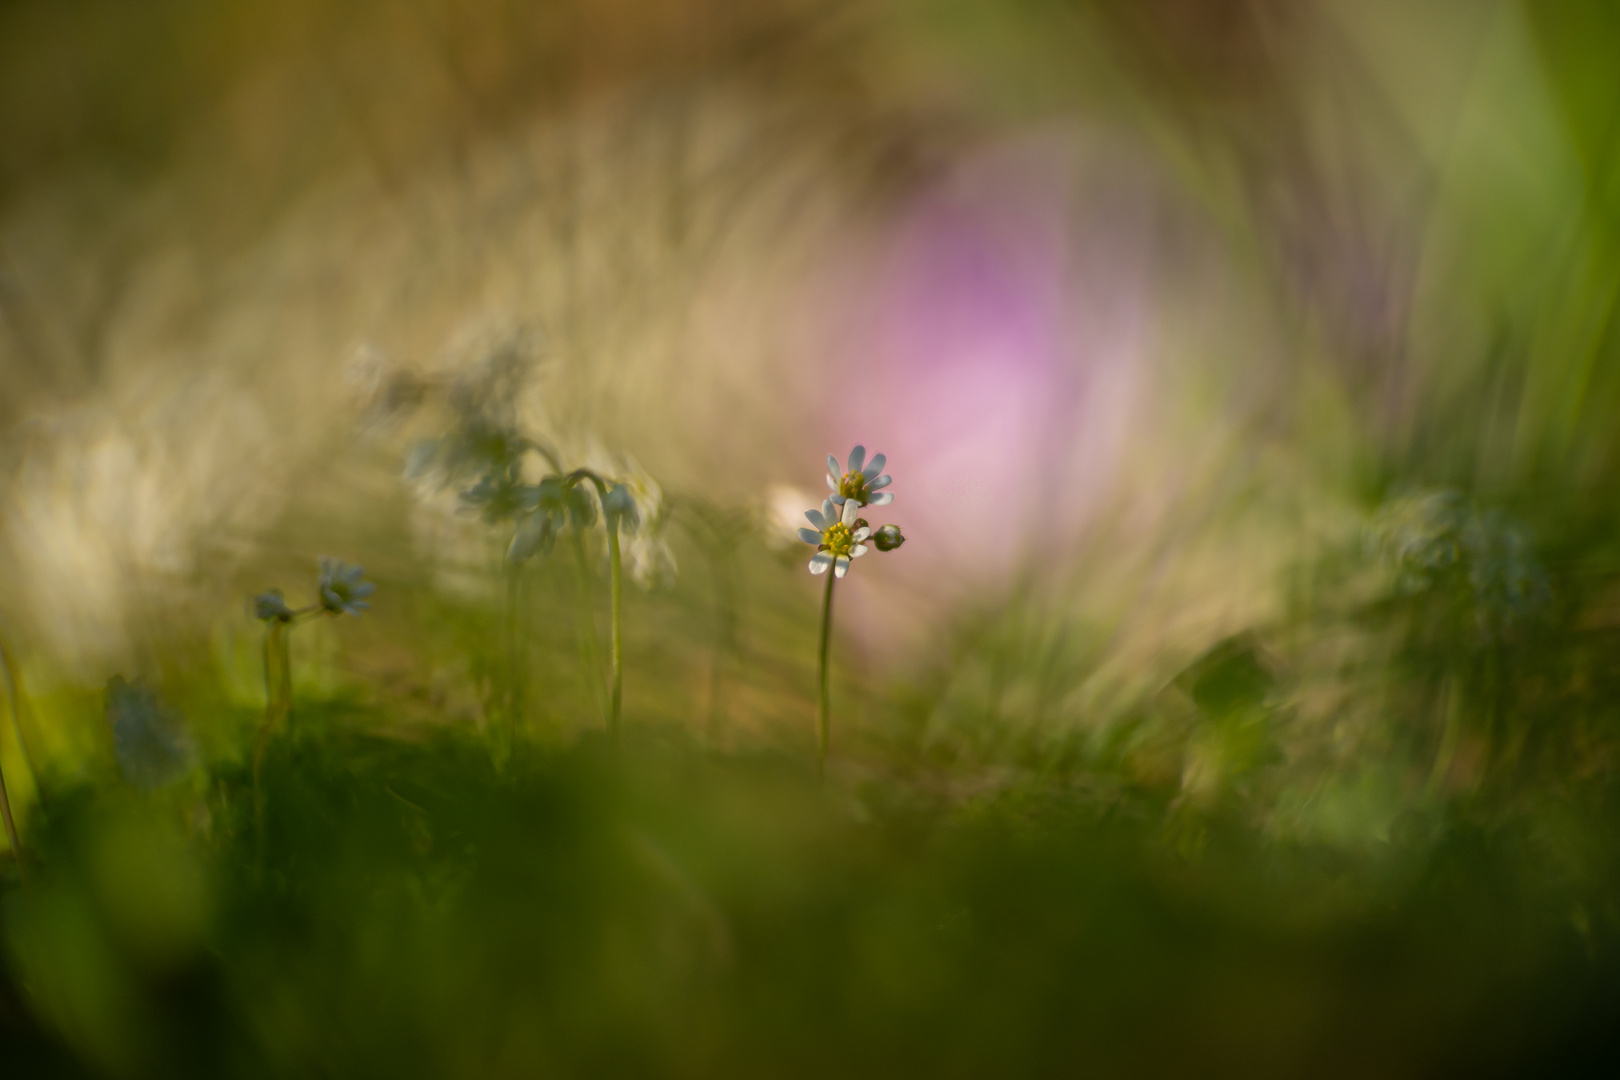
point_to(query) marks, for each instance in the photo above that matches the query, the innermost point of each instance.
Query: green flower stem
(11, 824)
(586, 620)
(278, 697)
(286, 673)
(514, 672)
(616, 660)
(277, 703)
(823, 724)
(615, 599)
(14, 700)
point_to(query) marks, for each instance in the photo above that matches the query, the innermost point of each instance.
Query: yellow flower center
(838, 540)
(853, 486)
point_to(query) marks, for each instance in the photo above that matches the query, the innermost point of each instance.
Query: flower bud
(888, 538)
(271, 607)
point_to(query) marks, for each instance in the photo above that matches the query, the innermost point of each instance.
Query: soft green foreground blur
(1245, 700)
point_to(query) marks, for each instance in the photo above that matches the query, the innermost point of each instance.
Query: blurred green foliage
(412, 910)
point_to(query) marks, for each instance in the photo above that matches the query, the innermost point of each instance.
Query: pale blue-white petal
(882, 498)
(852, 510)
(862, 533)
(837, 499)
(827, 510)
(843, 566)
(880, 482)
(817, 518)
(832, 466)
(857, 458)
(874, 467)
(831, 482)
(857, 551)
(810, 536)
(819, 562)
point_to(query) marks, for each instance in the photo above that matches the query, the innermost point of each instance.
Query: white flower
(619, 509)
(836, 537)
(652, 562)
(635, 503)
(862, 482)
(341, 588)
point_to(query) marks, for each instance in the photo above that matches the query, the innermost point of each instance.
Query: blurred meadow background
(1244, 701)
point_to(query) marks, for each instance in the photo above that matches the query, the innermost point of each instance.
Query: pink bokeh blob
(995, 357)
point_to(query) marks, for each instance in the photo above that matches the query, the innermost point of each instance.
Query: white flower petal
(817, 518)
(842, 566)
(819, 562)
(827, 510)
(810, 536)
(857, 551)
(882, 498)
(852, 510)
(862, 533)
(880, 482)
(832, 466)
(837, 499)
(874, 467)
(857, 458)
(832, 483)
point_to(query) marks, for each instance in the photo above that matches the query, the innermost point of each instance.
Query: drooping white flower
(861, 482)
(837, 537)
(635, 505)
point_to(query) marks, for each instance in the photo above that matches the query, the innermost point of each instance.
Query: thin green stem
(277, 694)
(284, 641)
(11, 824)
(14, 698)
(514, 672)
(824, 723)
(587, 620)
(616, 660)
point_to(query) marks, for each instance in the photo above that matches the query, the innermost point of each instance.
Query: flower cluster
(1440, 546)
(340, 589)
(839, 532)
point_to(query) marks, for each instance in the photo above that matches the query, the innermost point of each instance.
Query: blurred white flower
(780, 514)
(652, 562)
(341, 588)
(150, 741)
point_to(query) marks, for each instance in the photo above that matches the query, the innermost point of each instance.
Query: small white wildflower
(862, 482)
(838, 538)
(635, 503)
(341, 588)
